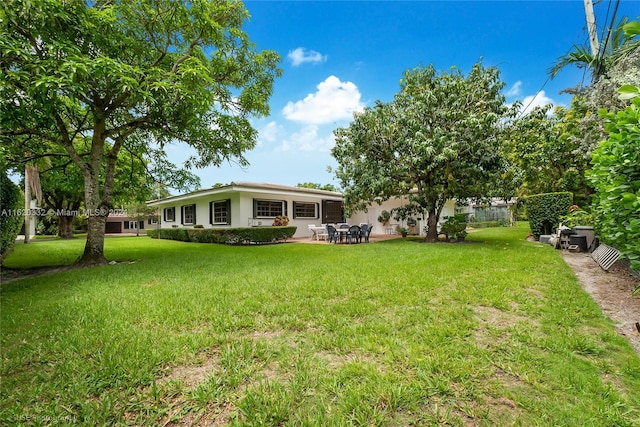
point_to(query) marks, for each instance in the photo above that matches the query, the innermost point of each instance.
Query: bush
(281, 221)
(616, 178)
(546, 210)
(153, 233)
(489, 224)
(231, 236)
(577, 216)
(455, 226)
(11, 204)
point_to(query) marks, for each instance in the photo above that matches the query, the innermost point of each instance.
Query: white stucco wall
(372, 213)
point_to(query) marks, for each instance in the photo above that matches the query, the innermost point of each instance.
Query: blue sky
(341, 56)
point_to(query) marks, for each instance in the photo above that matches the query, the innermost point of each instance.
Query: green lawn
(395, 333)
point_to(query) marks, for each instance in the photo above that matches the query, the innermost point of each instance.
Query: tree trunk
(432, 226)
(97, 212)
(94, 248)
(65, 226)
(27, 206)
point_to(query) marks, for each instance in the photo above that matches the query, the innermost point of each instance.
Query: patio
(372, 239)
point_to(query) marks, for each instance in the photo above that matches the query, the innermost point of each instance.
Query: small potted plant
(403, 231)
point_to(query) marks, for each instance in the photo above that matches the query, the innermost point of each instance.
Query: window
(269, 208)
(188, 214)
(152, 221)
(220, 212)
(169, 214)
(305, 210)
(130, 225)
(141, 225)
(332, 212)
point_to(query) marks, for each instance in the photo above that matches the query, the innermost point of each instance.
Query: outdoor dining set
(341, 233)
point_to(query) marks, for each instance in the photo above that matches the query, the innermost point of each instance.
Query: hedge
(489, 224)
(616, 179)
(230, 236)
(11, 209)
(545, 210)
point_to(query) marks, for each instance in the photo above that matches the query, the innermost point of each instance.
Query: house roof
(247, 187)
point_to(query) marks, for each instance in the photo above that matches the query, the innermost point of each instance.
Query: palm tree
(617, 44)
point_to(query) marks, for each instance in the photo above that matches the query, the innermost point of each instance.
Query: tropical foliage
(616, 177)
(439, 138)
(11, 209)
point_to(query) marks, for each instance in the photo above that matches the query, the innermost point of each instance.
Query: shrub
(281, 221)
(180, 234)
(11, 203)
(231, 236)
(489, 224)
(577, 216)
(455, 227)
(616, 178)
(153, 233)
(546, 210)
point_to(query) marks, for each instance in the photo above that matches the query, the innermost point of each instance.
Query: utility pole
(591, 28)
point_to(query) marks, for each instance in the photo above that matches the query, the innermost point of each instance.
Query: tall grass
(492, 332)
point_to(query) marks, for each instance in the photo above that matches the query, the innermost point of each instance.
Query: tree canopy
(132, 76)
(317, 186)
(439, 139)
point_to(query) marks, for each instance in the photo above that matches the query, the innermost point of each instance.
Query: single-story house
(243, 204)
(122, 223)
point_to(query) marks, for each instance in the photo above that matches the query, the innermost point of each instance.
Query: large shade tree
(439, 139)
(131, 76)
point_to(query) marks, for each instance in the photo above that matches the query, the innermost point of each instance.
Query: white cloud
(301, 55)
(334, 100)
(270, 133)
(307, 139)
(538, 100)
(514, 90)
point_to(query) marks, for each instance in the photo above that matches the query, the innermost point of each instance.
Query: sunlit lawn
(395, 333)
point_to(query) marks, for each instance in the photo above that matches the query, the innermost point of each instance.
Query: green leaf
(628, 92)
(631, 29)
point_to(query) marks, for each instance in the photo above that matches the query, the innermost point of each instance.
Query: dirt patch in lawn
(612, 291)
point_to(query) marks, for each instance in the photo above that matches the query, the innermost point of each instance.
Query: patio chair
(312, 230)
(354, 234)
(321, 232)
(332, 234)
(365, 232)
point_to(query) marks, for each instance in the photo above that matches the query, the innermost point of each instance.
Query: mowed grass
(395, 333)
